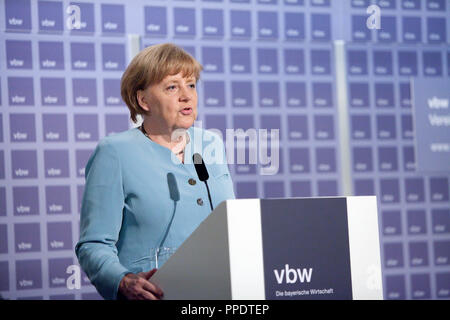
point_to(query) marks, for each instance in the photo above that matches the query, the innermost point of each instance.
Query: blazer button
(192, 181)
(200, 201)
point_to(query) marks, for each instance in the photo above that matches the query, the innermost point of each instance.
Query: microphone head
(200, 167)
(173, 187)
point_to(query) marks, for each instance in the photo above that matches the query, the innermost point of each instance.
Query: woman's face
(172, 102)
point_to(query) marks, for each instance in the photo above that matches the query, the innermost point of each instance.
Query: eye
(171, 88)
(192, 85)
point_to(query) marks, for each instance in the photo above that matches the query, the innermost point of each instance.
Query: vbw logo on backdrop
(306, 249)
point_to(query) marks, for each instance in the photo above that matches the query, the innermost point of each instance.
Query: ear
(142, 100)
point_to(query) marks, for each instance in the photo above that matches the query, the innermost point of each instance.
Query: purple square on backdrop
(440, 220)
(1, 127)
(409, 162)
(389, 190)
(24, 164)
(240, 24)
(362, 159)
(388, 32)
(212, 59)
(384, 95)
(357, 62)
(113, 18)
(269, 95)
(57, 199)
(327, 188)
(2, 164)
(80, 191)
(82, 157)
(407, 127)
(87, 24)
(294, 61)
(212, 23)
(111, 92)
(298, 127)
(416, 221)
(25, 200)
(259, 1)
(53, 91)
(323, 127)
(84, 92)
(4, 278)
(420, 286)
(414, 190)
(360, 3)
(214, 93)
(267, 61)
(294, 26)
(386, 4)
(387, 159)
(82, 56)
(392, 224)
(359, 94)
(243, 121)
(246, 190)
(28, 274)
(240, 60)
(322, 94)
(299, 160)
(113, 56)
(360, 32)
(393, 255)
(395, 287)
(2, 200)
(418, 254)
(51, 55)
(301, 188)
(411, 4)
(22, 127)
(3, 239)
(407, 63)
(184, 22)
(57, 271)
(115, 123)
(441, 252)
(18, 15)
(320, 3)
(273, 189)
(18, 54)
(386, 128)
(20, 91)
(382, 63)
(155, 20)
(443, 284)
(296, 94)
(436, 30)
(217, 122)
(56, 163)
(326, 159)
(54, 127)
(321, 26)
(271, 122)
(320, 61)
(27, 237)
(50, 16)
(432, 64)
(241, 166)
(436, 5)
(86, 127)
(412, 29)
(241, 93)
(361, 127)
(405, 95)
(364, 187)
(439, 189)
(267, 25)
(59, 236)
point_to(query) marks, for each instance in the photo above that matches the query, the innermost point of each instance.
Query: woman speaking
(142, 195)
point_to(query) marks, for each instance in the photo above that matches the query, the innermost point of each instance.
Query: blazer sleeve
(101, 220)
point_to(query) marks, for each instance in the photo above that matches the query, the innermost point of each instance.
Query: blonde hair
(151, 66)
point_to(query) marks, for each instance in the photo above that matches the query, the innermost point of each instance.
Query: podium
(267, 249)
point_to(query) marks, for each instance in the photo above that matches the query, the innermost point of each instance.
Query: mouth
(186, 111)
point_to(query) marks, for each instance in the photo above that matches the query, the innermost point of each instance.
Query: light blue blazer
(140, 203)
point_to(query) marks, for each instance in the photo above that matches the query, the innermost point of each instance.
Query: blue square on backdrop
(320, 3)
(391, 222)
(51, 55)
(436, 5)
(111, 92)
(382, 63)
(387, 159)
(184, 22)
(50, 16)
(18, 15)
(412, 29)
(113, 18)
(361, 128)
(393, 255)
(360, 32)
(212, 59)
(407, 63)
(214, 92)
(364, 187)
(241, 93)
(418, 254)
(420, 286)
(212, 23)
(362, 159)
(269, 95)
(267, 25)
(436, 30)
(155, 20)
(298, 127)
(405, 94)
(384, 95)
(360, 3)
(53, 91)
(320, 62)
(388, 31)
(322, 94)
(325, 159)
(409, 162)
(411, 4)
(357, 62)
(432, 63)
(301, 188)
(20, 91)
(82, 56)
(240, 24)
(296, 94)
(416, 221)
(321, 26)
(395, 287)
(386, 4)
(294, 25)
(386, 127)
(113, 56)
(414, 190)
(294, 61)
(240, 60)
(323, 127)
(389, 190)
(359, 94)
(18, 54)
(87, 24)
(407, 127)
(267, 61)
(84, 92)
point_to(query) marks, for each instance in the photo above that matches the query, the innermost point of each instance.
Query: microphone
(202, 173)
(174, 193)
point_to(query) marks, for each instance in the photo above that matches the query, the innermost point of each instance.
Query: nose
(185, 94)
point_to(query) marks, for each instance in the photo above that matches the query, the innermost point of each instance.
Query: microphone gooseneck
(202, 173)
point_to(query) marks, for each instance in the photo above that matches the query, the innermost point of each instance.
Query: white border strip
(365, 261)
(246, 250)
